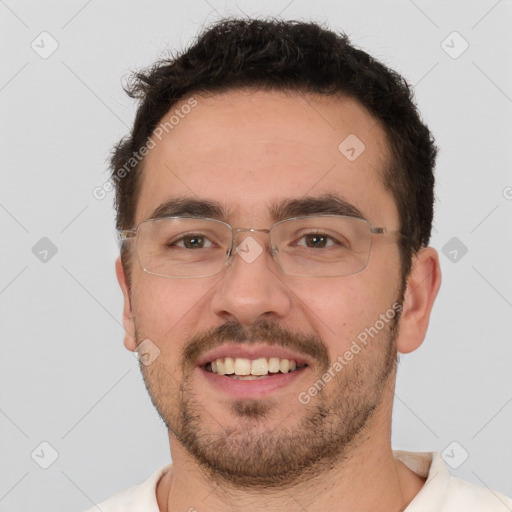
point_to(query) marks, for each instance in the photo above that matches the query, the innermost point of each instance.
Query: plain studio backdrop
(75, 419)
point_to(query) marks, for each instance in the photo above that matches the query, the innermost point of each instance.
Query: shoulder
(444, 492)
(134, 498)
(473, 497)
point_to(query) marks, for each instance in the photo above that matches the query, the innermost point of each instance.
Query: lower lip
(252, 388)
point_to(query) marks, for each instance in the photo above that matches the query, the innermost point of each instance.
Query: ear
(130, 341)
(422, 286)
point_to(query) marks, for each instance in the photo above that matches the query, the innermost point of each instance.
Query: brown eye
(316, 240)
(193, 241)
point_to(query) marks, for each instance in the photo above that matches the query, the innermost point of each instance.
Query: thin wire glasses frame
(297, 264)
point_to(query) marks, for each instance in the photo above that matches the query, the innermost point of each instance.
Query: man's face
(247, 151)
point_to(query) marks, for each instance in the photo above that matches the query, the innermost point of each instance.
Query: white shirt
(442, 492)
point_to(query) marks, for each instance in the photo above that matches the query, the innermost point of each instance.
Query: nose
(252, 287)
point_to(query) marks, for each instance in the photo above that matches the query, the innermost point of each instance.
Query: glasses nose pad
(231, 252)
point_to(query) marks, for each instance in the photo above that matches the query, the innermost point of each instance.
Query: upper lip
(253, 351)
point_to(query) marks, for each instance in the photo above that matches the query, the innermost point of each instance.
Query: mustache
(265, 331)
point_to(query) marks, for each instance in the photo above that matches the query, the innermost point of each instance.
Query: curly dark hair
(289, 56)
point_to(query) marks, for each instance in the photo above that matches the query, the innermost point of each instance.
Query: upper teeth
(244, 366)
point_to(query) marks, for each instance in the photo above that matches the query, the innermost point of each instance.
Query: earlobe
(422, 287)
(130, 341)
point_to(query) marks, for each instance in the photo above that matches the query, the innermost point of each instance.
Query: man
(274, 202)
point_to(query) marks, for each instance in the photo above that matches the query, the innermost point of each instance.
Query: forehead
(253, 150)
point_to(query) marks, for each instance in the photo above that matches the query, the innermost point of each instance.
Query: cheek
(340, 310)
(166, 309)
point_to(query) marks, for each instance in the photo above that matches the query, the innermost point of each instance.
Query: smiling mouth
(250, 369)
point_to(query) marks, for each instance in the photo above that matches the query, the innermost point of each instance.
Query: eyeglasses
(310, 246)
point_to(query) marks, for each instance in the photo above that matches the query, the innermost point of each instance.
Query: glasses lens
(322, 245)
(181, 247)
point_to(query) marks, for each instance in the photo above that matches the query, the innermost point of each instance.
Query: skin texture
(247, 150)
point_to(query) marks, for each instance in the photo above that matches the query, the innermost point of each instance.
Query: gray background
(67, 380)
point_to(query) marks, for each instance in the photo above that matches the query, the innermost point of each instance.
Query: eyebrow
(309, 205)
(333, 204)
(190, 207)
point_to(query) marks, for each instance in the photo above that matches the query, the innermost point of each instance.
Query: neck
(367, 479)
